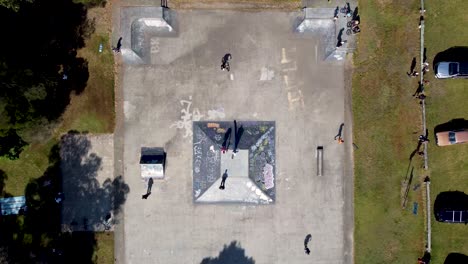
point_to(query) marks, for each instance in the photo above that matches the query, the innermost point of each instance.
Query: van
(447, 138)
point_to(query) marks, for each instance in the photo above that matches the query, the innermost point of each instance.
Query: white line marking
(316, 55)
(283, 56)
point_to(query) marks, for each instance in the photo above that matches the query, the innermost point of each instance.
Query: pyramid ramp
(249, 173)
(237, 189)
(338, 54)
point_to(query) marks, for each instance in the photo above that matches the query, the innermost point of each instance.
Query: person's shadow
(306, 243)
(227, 139)
(148, 190)
(119, 43)
(223, 181)
(238, 137)
(413, 65)
(419, 90)
(356, 14)
(339, 38)
(415, 151)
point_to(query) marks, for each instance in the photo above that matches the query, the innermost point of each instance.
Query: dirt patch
(93, 109)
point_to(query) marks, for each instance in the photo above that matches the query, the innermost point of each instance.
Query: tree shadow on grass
(37, 236)
(3, 178)
(232, 254)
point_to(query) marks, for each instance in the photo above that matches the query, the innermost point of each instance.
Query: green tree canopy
(38, 64)
(13, 4)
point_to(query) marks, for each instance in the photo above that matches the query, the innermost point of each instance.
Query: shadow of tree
(3, 178)
(456, 258)
(11, 144)
(232, 254)
(37, 236)
(87, 202)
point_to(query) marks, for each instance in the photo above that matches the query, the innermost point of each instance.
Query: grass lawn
(104, 253)
(387, 122)
(447, 100)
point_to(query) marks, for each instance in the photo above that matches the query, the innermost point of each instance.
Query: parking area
(275, 75)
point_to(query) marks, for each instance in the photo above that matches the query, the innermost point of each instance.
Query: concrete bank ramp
(319, 22)
(138, 26)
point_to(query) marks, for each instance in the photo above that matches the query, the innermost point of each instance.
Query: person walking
(340, 131)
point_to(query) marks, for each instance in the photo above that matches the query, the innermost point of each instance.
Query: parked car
(444, 70)
(447, 138)
(452, 216)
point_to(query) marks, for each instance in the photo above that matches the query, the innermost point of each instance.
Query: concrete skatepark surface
(275, 75)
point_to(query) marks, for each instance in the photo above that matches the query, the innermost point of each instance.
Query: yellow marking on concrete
(283, 56)
(299, 98)
(294, 68)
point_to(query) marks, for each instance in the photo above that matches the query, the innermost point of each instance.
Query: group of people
(424, 69)
(413, 73)
(354, 26)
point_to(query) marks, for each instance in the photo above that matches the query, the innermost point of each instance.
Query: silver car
(444, 70)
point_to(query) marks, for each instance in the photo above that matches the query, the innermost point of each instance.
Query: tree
(13, 4)
(11, 144)
(39, 67)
